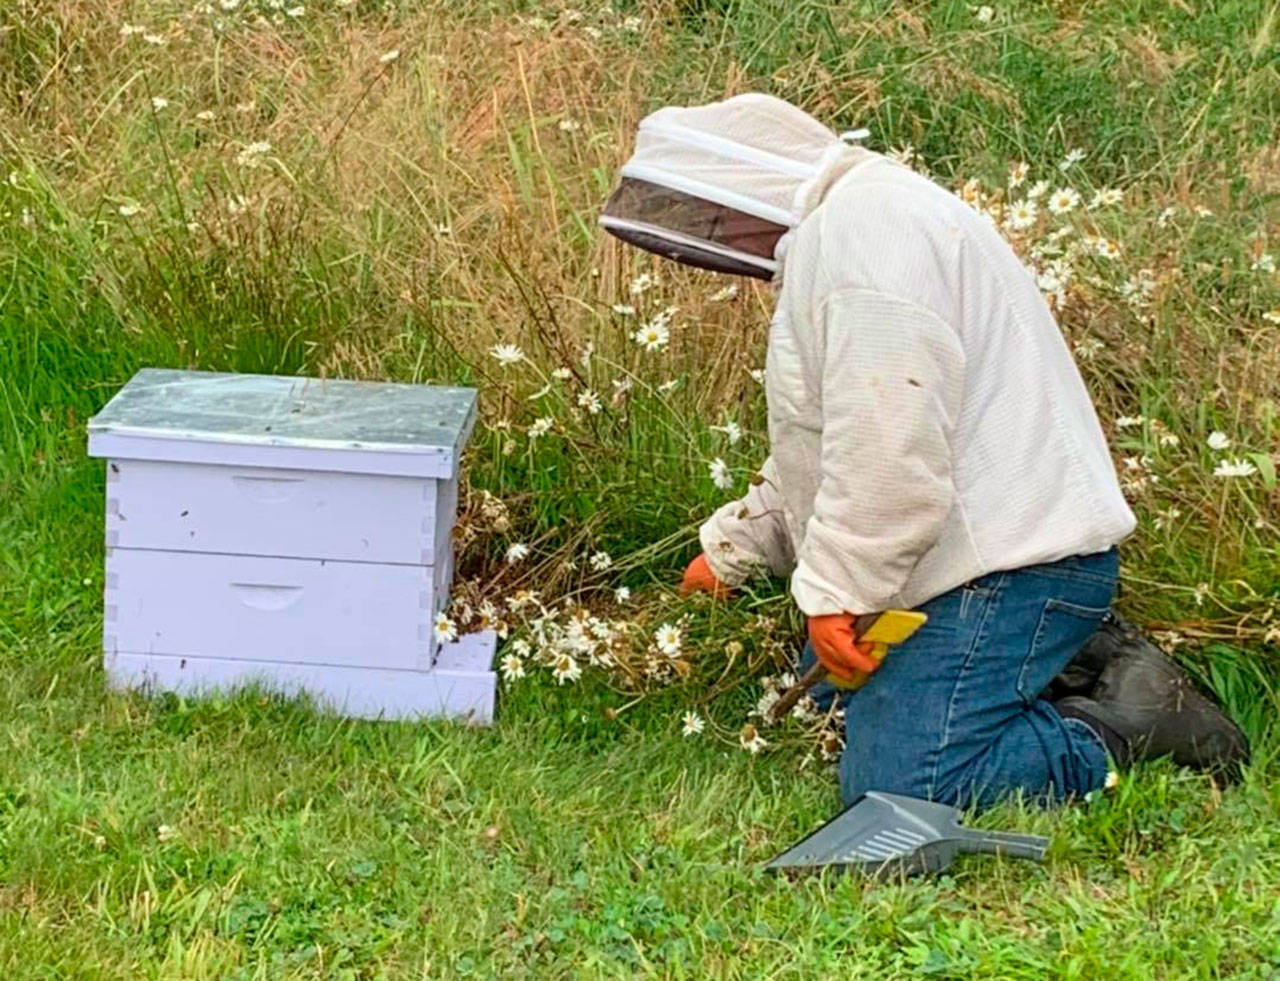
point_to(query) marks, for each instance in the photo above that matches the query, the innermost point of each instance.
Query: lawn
(407, 190)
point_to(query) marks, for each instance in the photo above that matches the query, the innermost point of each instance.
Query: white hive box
(291, 532)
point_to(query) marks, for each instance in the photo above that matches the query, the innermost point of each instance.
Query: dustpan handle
(1014, 846)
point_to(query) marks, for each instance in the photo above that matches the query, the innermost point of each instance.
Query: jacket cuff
(732, 565)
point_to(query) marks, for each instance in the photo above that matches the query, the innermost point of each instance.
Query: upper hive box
(290, 531)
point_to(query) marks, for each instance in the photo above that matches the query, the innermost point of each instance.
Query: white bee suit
(927, 422)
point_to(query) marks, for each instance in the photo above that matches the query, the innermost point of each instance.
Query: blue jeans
(954, 713)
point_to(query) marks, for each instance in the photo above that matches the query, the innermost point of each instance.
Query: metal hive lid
(286, 421)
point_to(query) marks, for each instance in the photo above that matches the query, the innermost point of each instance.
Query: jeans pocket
(1060, 633)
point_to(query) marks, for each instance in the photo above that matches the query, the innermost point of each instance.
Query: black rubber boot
(1113, 636)
(1143, 697)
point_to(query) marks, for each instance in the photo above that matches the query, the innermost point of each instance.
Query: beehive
(291, 532)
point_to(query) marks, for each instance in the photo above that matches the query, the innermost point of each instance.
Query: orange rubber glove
(699, 578)
(833, 643)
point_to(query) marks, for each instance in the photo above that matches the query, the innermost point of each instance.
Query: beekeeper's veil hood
(718, 186)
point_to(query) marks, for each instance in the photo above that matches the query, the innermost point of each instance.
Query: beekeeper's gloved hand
(840, 654)
(699, 578)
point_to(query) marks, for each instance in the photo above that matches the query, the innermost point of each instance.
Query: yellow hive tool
(878, 629)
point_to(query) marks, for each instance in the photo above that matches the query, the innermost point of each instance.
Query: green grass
(582, 836)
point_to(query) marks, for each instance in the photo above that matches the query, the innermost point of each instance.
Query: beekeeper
(933, 448)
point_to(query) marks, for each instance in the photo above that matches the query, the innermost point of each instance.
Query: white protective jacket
(927, 423)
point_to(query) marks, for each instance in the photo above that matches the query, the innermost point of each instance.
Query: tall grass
(412, 211)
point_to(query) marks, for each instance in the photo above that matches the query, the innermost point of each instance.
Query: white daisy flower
(252, 155)
(569, 126)
(693, 723)
(1062, 200)
(1218, 440)
(562, 374)
(624, 309)
(512, 667)
(159, 102)
(517, 553)
(1072, 158)
(652, 336)
(506, 354)
(565, 668)
(590, 401)
(1108, 248)
(757, 375)
(600, 561)
(1037, 190)
(445, 629)
(720, 475)
(1106, 197)
(641, 283)
(1234, 468)
(832, 744)
(727, 293)
(766, 702)
(805, 710)
(1088, 348)
(621, 595)
(1018, 173)
(668, 639)
(1128, 422)
(1264, 263)
(985, 14)
(1049, 282)
(1021, 215)
(751, 740)
(540, 427)
(732, 432)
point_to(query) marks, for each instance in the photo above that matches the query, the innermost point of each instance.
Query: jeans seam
(979, 636)
(1091, 735)
(1032, 650)
(1076, 609)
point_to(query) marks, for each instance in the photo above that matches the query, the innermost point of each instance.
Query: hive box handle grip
(266, 490)
(266, 596)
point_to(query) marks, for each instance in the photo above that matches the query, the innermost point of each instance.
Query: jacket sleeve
(891, 384)
(749, 536)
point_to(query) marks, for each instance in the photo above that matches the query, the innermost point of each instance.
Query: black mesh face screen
(690, 255)
(691, 218)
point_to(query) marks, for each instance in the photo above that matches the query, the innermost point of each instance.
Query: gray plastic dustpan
(890, 835)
